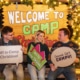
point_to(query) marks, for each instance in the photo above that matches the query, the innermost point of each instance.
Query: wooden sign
(26, 21)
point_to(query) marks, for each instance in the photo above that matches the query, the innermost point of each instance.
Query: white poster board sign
(11, 54)
(63, 56)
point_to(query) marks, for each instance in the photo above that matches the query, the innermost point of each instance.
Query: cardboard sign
(11, 54)
(26, 21)
(63, 56)
(37, 56)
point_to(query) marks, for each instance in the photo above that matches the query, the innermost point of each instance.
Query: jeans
(68, 72)
(8, 72)
(35, 74)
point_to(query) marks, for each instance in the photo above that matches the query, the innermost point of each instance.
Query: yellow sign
(26, 21)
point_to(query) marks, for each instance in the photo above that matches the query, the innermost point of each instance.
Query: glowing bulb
(1, 0)
(47, 1)
(67, 0)
(70, 7)
(59, 2)
(79, 43)
(77, 29)
(41, 0)
(77, 1)
(21, 0)
(74, 33)
(6, 2)
(76, 41)
(50, 9)
(73, 26)
(75, 19)
(54, 2)
(78, 14)
(79, 38)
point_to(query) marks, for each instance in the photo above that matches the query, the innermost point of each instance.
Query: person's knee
(20, 77)
(33, 77)
(10, 77)
(41, 77)
(8, 74)
(50, 77)
(20, 74)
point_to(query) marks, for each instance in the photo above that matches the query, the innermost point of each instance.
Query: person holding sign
(39, 51)
(63, 56)
(7, 39)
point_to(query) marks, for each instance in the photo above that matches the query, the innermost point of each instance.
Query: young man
(7, 38)
(69, 71)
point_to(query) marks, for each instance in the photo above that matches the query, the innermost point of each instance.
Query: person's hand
(53, 68)
(33, 63)
(24, 50)
(76, 60)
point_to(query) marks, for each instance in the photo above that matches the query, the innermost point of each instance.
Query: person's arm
(28, 58)
(77, 51)
(77, 60)
(49, 56)
(46, 52)
(52, 66)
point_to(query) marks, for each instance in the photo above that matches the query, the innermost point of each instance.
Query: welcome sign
(26, 21)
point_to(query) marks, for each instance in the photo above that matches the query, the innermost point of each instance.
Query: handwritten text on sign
(37, 56)
(63, 56)
(11, 54)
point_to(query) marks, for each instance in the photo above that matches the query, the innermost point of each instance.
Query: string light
(8, 2)
(1, 1)
(50, 3)
(74, 10)
(74, 33)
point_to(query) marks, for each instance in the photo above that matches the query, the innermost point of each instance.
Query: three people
(69, 71)
(7, 38)
(39, 39)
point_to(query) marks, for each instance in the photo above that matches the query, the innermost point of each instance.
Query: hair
(66, 31)
(38, 33)
(6, 29)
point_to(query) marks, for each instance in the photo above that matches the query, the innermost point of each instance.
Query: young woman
(34, 72)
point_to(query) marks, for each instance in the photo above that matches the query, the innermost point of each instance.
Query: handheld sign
(11, 54)
(37, 56)
(63, 56)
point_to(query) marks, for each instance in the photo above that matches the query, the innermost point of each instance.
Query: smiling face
(40, 37)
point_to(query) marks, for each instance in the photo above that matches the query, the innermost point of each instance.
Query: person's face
(8, 36)
(61, 36)
(40, 37)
